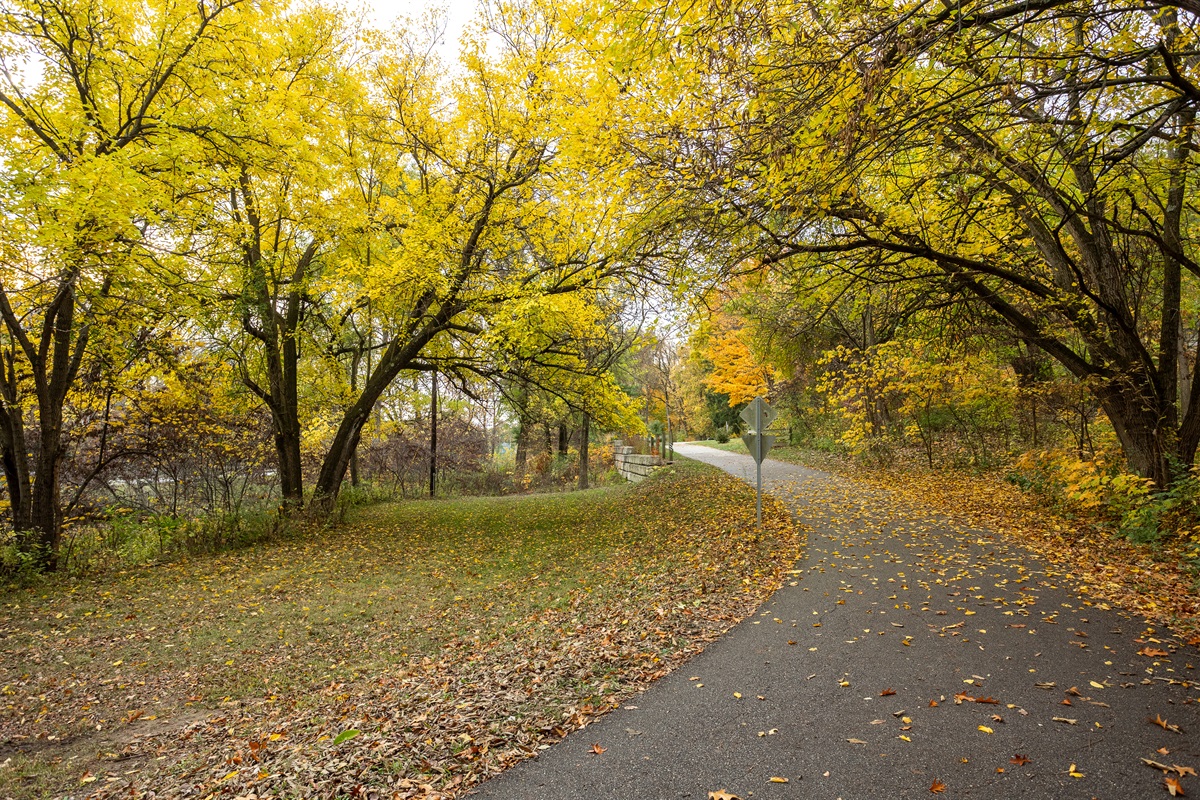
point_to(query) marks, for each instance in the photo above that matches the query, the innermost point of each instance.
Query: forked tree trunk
(54, 363)
(398, 356)
(280, 310)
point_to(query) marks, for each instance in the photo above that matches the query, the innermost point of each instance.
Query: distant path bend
(848, 678)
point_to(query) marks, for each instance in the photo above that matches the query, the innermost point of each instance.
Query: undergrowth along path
(911, 655)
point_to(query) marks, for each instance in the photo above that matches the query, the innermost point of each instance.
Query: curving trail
(909, 654)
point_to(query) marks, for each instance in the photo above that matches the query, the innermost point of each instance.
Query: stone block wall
(633, 466)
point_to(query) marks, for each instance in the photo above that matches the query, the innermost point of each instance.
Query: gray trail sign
(758, 416)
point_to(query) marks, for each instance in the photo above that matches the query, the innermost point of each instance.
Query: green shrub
(1161, 513)
(16, 566)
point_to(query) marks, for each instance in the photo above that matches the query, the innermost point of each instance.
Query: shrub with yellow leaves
(1102, 487)
(918, 392)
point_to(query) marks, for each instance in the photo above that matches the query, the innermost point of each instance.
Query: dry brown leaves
(449, 719)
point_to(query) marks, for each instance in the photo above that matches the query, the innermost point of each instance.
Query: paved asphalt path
(902, 603)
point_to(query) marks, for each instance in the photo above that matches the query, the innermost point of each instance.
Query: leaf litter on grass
(454, 638)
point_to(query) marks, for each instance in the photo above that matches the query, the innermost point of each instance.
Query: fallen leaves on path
(1152, 581)
(1178, 769)
(1162, 723)
(937, 787)
(963, 697)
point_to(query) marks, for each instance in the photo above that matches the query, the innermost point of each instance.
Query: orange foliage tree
(737, 370)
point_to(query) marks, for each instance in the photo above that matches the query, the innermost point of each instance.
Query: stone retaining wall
(632, 466)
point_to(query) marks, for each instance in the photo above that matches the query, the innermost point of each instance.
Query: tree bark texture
(584, 434)
(433, 423)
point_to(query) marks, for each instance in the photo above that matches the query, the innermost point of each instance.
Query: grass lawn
(414, 649)
(734, 445)
(791, 454)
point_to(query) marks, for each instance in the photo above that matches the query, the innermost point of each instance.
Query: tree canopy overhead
(1026, 163)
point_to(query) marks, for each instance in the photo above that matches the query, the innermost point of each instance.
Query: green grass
(395, 584)
(792, 454)
(734, 445)
(393, 572)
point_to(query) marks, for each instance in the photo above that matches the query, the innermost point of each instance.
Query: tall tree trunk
(45, 523)
(1149, 443)
(584, 433)
(433, 422)
(354, 390)
(522, 455)
(564, 438)
(282, 398)
(287, 453)
(14, 452)
(283, 358)
(279, 305)
(1185, 373)
(668, 442)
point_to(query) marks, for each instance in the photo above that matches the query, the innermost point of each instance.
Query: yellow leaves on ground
(1108, 570)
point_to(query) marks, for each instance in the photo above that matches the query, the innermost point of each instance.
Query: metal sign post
(758, 416)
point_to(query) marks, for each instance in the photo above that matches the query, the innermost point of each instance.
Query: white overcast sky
(458, 14)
